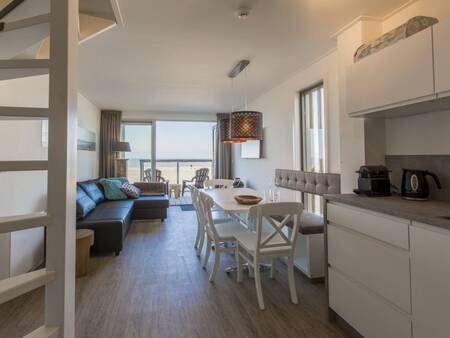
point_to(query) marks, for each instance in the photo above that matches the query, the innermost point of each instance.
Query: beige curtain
(222, 154)
(110, 125)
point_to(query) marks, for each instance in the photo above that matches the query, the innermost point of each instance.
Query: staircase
(59, 26)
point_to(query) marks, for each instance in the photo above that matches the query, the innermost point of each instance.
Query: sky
(174, 140)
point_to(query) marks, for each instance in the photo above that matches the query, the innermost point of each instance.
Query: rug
(187, 207)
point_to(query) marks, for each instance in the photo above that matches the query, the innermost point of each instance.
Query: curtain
(222, 152)
(110, 124)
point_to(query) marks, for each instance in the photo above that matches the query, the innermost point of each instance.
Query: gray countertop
(429, 212)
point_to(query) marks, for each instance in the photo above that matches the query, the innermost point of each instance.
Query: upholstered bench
(309, 254)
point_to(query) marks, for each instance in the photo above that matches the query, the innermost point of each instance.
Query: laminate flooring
(157, 288)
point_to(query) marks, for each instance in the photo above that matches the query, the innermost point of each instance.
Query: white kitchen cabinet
(369, 314)
(396, 76)
(430, 281)
(382, 268)
(441, 36)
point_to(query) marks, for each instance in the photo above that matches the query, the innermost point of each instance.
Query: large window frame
(152, 124)
(313, 120)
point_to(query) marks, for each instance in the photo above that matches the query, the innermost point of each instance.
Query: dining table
(224, 199)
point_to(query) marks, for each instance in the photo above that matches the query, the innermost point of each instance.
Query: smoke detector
(243, 13)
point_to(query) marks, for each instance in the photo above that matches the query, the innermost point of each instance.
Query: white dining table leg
(272, 269)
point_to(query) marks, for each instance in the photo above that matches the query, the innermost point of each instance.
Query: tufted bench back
(309, 182)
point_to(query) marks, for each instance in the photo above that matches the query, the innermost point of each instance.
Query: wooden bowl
(247, 199)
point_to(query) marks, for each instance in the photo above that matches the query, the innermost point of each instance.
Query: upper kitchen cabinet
(442, 57)
(394, 78)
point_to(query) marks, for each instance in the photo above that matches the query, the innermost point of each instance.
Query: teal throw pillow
(112, 187)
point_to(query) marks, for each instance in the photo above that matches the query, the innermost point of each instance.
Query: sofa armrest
(152, 188)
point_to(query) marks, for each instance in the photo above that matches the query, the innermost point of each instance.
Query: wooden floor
(156, 288)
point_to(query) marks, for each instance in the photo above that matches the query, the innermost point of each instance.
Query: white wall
(25, 192)
(167, 116)
(89, 119)
(280, 107)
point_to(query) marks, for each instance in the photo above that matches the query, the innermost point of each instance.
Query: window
(313, 139)
(139, 159)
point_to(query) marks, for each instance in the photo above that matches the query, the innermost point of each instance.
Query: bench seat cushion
(310, 223)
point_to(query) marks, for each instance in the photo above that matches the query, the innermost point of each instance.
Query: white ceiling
(173, 55)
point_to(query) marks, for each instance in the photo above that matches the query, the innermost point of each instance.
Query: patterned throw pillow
(131, 190)
(112, 189)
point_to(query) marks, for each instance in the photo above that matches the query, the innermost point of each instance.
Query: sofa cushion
(112, 189)
(131, 190)
(106, 212)
(84, 203)
(93, 191)
(144, 202)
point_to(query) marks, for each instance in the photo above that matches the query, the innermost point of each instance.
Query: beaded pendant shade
(246, 125)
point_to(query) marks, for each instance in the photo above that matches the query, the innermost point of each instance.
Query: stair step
(23, 165)
(24, 23)
(25, 64)
(24, 112)
(14, 287)
(44, 332)
(16, 69)
(22, 222)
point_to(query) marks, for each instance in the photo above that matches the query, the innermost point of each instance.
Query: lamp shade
(224, 128)
(122, 147)
(246, 125)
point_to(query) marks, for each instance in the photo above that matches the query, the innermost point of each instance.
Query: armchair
(201, 175)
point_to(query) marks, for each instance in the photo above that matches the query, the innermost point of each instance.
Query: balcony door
(140, 159)
(182, 148)
(313, 139)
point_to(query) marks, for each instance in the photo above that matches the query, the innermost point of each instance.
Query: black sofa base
(111, 220)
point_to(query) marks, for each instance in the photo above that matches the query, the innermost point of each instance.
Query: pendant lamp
(224, 130)
(245, 125)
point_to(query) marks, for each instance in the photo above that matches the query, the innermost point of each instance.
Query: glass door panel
(139, 135)
(313, 140)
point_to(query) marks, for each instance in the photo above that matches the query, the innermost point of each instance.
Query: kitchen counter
(429, 212)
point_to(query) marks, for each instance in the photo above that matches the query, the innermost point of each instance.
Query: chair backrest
(195, 196)
(206, 204)
(276, 240)
(201, 175)
(219, 183)
(147, 175)
(309, 182)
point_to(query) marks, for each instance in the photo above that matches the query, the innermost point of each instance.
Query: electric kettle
(415, 185)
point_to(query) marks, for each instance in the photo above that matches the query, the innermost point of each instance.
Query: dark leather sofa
(110, 220)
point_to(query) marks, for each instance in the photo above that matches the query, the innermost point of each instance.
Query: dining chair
(217, 233)
(218, 217)
(218, 183)
(201, 175)
(275, 243)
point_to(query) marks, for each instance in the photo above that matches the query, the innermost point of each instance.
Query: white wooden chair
(253, 247)
(218, 217)
(217, 233)
(221, 183)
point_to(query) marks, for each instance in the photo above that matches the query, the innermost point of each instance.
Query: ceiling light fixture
(245, 125)
(243, 13)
